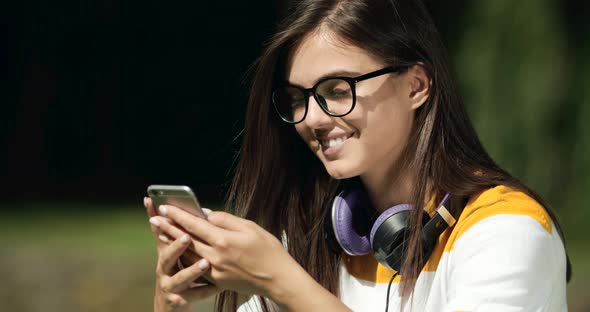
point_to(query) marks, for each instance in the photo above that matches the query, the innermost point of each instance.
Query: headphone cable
(388, 289)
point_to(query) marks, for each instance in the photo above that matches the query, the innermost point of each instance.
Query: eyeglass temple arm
(386, 70)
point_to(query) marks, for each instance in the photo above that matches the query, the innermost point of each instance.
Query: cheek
(386, 131)
(306, 135)
(303, 132)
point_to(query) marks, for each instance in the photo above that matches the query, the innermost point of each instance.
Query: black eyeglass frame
(352, 81)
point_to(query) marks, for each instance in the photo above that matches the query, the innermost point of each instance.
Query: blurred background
(102, 98)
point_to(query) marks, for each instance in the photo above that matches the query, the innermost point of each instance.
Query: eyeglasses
(335, 95)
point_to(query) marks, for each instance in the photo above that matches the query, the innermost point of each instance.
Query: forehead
(323, 54)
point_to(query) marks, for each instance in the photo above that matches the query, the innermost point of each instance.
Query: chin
(340, 169)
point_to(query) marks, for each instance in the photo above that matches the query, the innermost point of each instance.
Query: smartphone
(180, 196)
(184, 198)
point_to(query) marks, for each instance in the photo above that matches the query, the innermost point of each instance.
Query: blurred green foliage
(525, 79)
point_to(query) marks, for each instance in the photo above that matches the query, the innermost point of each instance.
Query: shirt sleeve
(507, 263)
(254, 304)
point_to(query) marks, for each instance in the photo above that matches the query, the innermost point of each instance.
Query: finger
(155, 227)
(183, 278)
(164, 239)
(171, 231)
(166, 227)
(206, 211)
(172, 252)
(189, 257)
(149, 206)
(195, 226)
(226, 221)
(200, 293)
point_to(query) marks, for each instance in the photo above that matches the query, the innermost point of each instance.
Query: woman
(356, 97)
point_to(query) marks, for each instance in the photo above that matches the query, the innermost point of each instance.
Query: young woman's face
(369, 139)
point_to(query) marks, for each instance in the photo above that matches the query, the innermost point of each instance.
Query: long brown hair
(281, 185)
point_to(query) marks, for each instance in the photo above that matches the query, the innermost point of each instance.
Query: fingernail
(163, 238)
(154, 221)
(207, 211)
(203, 264)
(185, 239)
(145, 201)
(163, 210)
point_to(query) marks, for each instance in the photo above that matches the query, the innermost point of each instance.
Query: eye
(296, 103)
(295, 98)
(335, 89)
(340, 92)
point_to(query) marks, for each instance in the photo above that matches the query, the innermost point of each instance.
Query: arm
(298, 291)
(507, 263)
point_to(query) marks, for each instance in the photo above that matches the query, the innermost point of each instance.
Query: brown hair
(281, 185)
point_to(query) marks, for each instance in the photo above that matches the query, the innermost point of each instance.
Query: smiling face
(372, 137)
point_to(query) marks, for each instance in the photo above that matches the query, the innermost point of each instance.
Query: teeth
(334, 142)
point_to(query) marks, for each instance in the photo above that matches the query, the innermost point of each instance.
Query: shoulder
(505, 246)
(504, 208)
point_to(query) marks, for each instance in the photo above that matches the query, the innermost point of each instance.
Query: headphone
(351, 228)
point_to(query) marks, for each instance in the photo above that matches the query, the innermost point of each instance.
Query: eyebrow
(335, 73)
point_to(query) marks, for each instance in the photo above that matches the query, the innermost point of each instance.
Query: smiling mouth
(335, 142)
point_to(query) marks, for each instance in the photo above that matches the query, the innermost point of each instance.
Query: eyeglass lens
(335, 96)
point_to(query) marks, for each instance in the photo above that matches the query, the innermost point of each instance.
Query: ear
(419, 85)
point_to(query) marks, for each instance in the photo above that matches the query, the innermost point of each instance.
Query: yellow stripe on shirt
(496, 201)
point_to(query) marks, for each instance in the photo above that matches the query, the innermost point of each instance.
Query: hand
(173, 291)
(243, 256)
(247, 259)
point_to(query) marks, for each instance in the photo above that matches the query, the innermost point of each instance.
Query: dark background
(108, 96)
(100, 99)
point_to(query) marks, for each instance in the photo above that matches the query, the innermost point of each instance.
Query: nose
(316, 117)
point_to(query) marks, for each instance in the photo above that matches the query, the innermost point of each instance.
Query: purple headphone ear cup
(348, 219)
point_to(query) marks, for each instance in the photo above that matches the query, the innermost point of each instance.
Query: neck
(390, 186)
